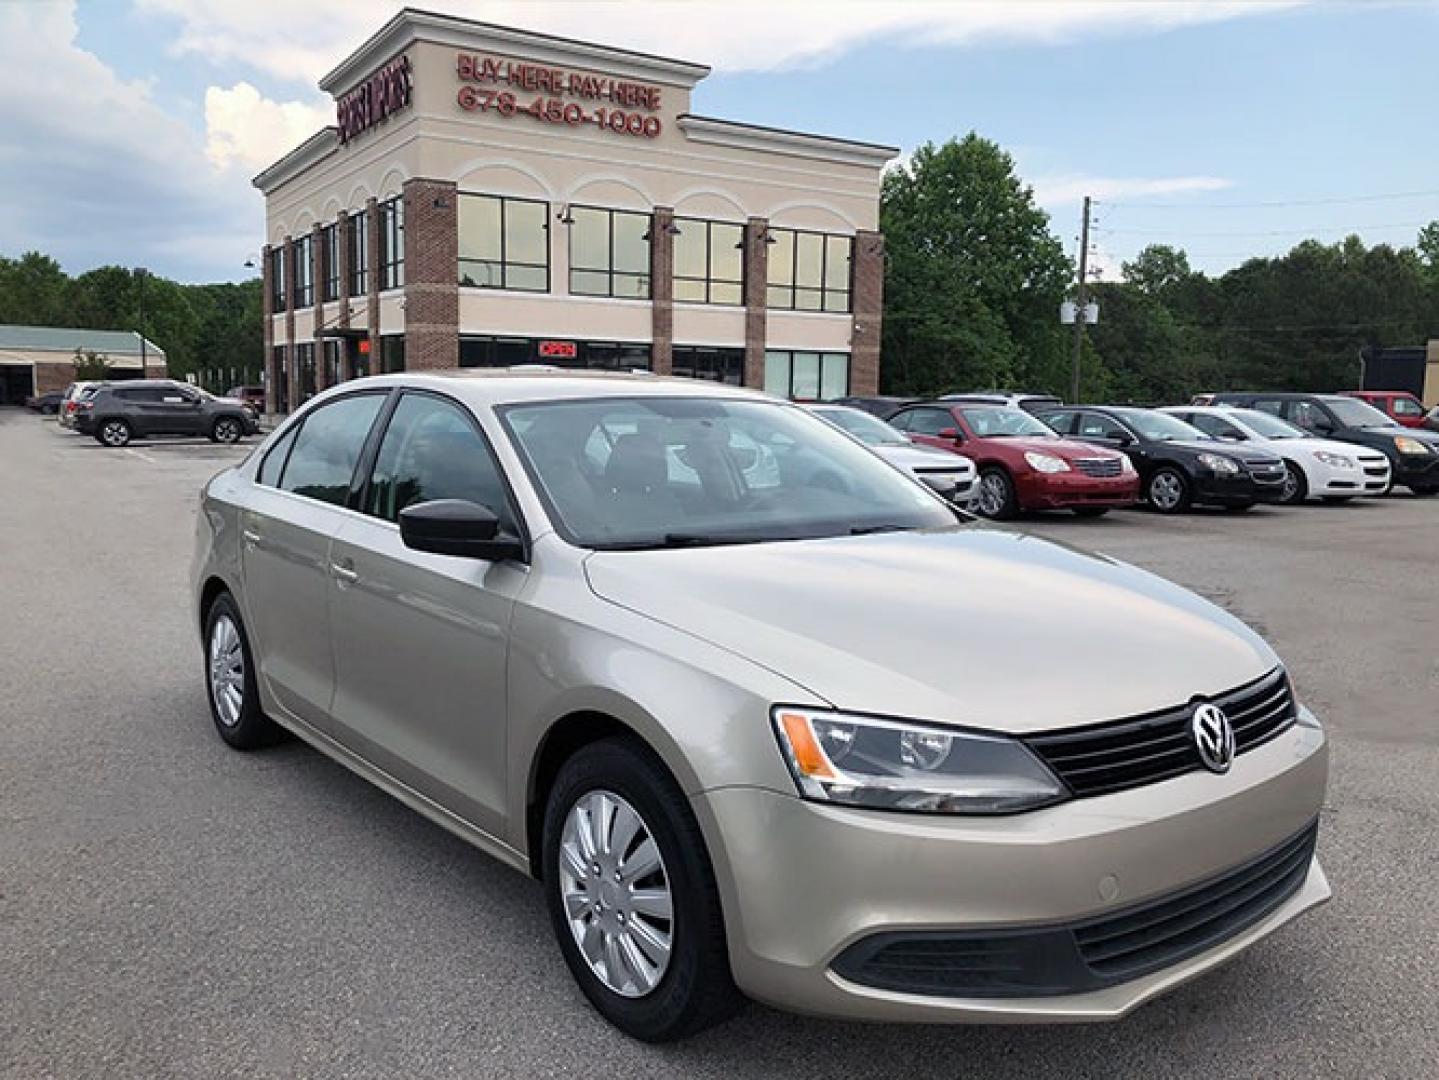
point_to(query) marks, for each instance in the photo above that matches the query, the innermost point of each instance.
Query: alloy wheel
(114, 433)
(616, 894)
(227, 431)
(992, 494)
(227, 671)
(1165, 491)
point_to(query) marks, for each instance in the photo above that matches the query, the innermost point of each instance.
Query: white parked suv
(949, 474)
(1314, 468)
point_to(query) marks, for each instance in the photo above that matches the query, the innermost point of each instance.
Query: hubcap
(992, 493)
(227, 431)
(1165, 491)
(227, 671)
(114, 434)
(1291, 484)
(616, 894)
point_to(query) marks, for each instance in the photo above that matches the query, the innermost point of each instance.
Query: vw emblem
(1213, 737)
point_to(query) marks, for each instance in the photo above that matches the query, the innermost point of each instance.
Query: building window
(282, 379)
(330, 349)
(486, 351)
(717, 365)
(504, 243)
(709, 261)
(279, 295)
(392, 243)
(305, 368)
(809, 271)
(304, 271)
(609, 253)
(806, 376)
(330, 256)
(359, 246)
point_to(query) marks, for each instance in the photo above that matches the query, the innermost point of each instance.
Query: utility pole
(1080, 301)
(140, 274)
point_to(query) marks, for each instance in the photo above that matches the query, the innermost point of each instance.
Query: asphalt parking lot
(171, 908)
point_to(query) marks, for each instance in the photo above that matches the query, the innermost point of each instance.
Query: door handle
(344, 573)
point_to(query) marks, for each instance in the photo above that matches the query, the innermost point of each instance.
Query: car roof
(488, 387)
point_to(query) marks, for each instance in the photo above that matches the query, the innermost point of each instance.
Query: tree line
(973, 283)
(211, 331)
(975, 278)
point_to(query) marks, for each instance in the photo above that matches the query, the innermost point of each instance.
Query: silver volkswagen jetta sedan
(764, 714)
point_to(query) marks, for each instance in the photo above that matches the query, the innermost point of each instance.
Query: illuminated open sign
(558, 350)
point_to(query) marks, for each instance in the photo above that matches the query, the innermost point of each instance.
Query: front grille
(1098, 466)
(1104, 758)
(1161, 933)
(1376, 470)
(1083, 956)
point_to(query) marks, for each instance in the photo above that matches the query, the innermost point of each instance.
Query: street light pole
(1081, 300)
(141, 273)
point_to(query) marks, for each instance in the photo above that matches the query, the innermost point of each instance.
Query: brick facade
(662, 290)
(267, 316)
(291, 373)
(372, 306)
(868, 301)
(432, 283)
(756, 283)
(317, 275)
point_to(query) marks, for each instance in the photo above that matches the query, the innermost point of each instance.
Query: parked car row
(114, 413)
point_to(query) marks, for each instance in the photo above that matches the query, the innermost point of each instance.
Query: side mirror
(1122, 439)
(457, 527)
(953, 434)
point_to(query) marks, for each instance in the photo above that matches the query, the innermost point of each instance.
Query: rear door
(924, 424)
(421, 640)
(303, 491)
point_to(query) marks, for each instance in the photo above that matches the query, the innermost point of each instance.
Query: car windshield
(1002, 422)
(650, 472)
(1267, 426)
(1353, 413)
(870, 430)
(1158, 426)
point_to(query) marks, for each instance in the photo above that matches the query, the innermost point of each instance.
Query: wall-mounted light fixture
(564, 216)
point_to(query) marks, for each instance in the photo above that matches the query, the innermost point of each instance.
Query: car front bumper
(1367, 478)
(1066, 490)
(804, 883)
(1236, 489)
(1414, 470)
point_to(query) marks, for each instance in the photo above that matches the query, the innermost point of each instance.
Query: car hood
(1311, 447)
(969, 625)
(923, 457)
(1238, 451)
(1066, 449)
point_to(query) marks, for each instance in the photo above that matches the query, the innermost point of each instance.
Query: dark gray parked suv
(120, 411)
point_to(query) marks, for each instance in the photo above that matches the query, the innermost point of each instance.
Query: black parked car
(1178, 465)
(117, 412)
(879, 405)
(46, 404)
(1413, 452)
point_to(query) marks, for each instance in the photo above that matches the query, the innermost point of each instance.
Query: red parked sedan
(1022, 464)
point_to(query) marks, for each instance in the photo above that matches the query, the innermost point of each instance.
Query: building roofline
(733, 133)
(412, 24)
(130, 349)
(308, 154)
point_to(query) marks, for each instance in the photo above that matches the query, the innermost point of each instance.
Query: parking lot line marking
(141, 455)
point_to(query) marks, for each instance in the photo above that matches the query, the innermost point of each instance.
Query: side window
(1307, 415)
(328, 448)
(1403, 406)
(1217, 426)
(432, 449)
(1094, 426)
(1273, 406)
(901, 420)
(931, 421)
(1062, 422)
(274, 463)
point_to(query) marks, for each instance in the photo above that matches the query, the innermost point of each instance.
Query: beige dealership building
(492, 196)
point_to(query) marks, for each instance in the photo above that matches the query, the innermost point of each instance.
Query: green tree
(33, 291)
(91, 366)
(974, 277)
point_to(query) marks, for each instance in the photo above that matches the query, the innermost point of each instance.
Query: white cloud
(1070, 188)
(303, 41)
(243, 127)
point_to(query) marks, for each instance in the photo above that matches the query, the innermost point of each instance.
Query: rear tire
(113, 433)
(996, 498)
(1424, 492)
(694, 989)
(1296, 484)
(1169, 491)
(230, 685)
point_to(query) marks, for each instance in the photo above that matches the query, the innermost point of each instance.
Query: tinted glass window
(432, 450)
(1095, 426)
(1273, 406)
(328, 447)
(1062, 422)
(274, 462)
(1403, 406)
(141, 394)
(1004, 422)
(1213, 425)
(930, 421)
(1350, 412)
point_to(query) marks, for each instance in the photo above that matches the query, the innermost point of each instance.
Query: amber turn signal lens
(807, 754)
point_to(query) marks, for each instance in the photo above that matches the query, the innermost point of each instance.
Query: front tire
(230, 680)
(226, 430)
(1296, 485)
(996, 499)
(1169, 491)
(632, 895)
(1424, 492)
(114, 433)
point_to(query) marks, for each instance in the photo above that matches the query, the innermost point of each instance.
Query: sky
(1232, 129)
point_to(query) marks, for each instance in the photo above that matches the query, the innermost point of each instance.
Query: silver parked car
(949, 474)
(766, 716)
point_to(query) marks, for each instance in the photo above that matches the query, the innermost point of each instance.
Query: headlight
(1045, 463)
(1125, 465)
(1219, 463)
(893, 765)
(1406, 445)
(1339, 461)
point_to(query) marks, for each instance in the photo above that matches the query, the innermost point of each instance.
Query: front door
(421, 641)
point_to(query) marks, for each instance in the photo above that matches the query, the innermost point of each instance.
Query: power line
(1336, 201)
(1264, 232)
